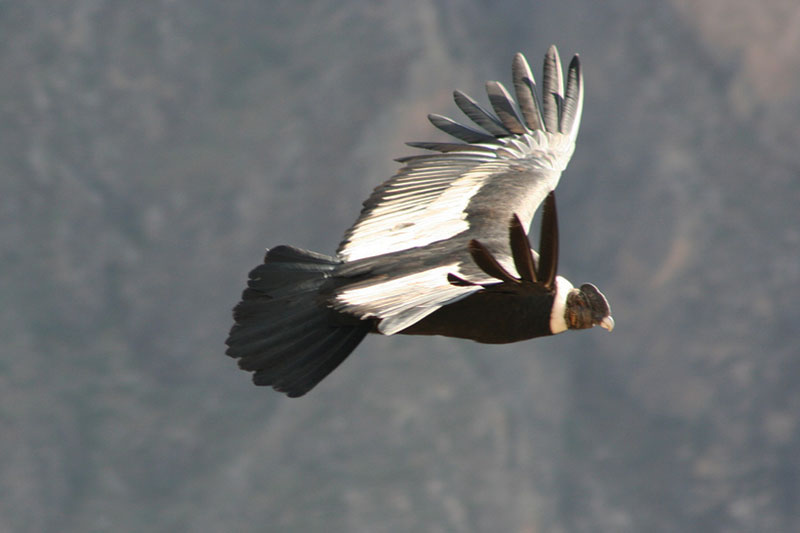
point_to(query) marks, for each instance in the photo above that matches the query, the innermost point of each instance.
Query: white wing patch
(427, 207)
(402, 301)
(426, 201)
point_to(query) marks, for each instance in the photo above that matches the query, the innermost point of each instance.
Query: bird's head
(587, 307)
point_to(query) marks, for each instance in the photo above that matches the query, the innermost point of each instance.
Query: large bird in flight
(439, 249)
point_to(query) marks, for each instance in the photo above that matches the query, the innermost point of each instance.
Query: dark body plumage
(439, 249)
(490, 317)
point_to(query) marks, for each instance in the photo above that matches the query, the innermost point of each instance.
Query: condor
(439, 249)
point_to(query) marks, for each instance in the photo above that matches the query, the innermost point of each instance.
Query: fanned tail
(282, 331)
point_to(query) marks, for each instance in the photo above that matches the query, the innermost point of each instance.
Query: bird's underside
(439, 249)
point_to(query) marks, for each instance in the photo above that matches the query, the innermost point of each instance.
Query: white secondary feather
(404, 300)
(405, 220)
(427, 202)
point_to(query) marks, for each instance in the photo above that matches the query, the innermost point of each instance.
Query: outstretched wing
(411, 241)
(506, 165)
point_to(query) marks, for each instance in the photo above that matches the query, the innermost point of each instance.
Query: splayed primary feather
(430, 197)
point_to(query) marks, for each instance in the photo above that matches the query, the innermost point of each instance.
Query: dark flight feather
(574, 92)
(521, 251)
(548, 243)
(487, 262)
(552, 89)
(503, 105)
(479, 115)
(525, 89)
(460, 131)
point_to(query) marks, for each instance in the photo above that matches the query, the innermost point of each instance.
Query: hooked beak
(607, 323)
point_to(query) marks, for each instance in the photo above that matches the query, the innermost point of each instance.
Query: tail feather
(272, 324)
(306, 359)
(303, 383)
(283, 332)
(285, 348)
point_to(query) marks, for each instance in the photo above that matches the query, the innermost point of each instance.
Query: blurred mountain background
(151, 150)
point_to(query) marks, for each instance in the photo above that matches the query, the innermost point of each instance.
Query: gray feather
(479, 115)
(504, 107)
(573, 98)
(552, 89)
(525, 88)
(449, 147)
(459, 131)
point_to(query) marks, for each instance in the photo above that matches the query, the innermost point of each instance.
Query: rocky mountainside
(151, 150)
